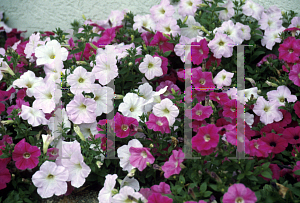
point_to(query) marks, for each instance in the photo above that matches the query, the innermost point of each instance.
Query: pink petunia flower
(5, 176)
(158, 124)
(265, 59)
(294, 74)
(297, 108)
(162, 188)
(221, 46)
(168, 92)
(140, 156)
(277, 142)
(239, 193)
(25, 155)
(257, 147)
(172, 166)
(52, 153)
(158, 198)
(200, 112)
(289, 50)
(219, 97)
(18, 106)
(202, 80)
(206, 138)
(162, 42)
(199, 51)
(124, 125)
(230, 109)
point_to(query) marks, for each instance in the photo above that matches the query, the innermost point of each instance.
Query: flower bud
(166, 36)
(114, 191)
(130, 63)
(132, 38)
(81, 63)
(151, 145)
(118, 96)
(131, 173)
(251, 81)
(83, 16)
(185, 19)
(4, 67)
(78, 132)
(47, 139)
(7, 122)
(271, 84)
(99, 164)
(182, 166)
(148, 164)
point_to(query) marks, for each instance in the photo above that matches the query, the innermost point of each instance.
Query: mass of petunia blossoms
(154, 108)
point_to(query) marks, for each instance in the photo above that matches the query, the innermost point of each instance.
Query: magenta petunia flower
(265, 59)
(168, 92)
(19, 103)
(277, 142)
(289, 50)
(158, 198)
(239, 193)
(52, 153)
(158, 124)
(173, 165)
(124, 125)
(292, 135)
(5, 176)
(202, 80)
(140, 156)
(294, 75)
(162, 188)
(230, 109)
(257, 147)
(297, 108)
(200, 112)
(5, 95)
(219, 97)
(162, 42)
(25, 155)
(199, 51)
(206, 138)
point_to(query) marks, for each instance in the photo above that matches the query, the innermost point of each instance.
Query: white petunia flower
(143, 21)
(131, 182)
(281, 94)
(105, 194)
(88, 129)
(50, 52)
(103, 97)
(223, 78)
(132, 106)
(162, 11)
(249, 118)
(126, 195)
(232, 31)
(151, 66)
(34, 117)
(60, 116)
(29, 81)
(271, 37)
(193, 28)
(245, 95)
(168, 26)
(168, 109)
(81, 80)
(34, 41)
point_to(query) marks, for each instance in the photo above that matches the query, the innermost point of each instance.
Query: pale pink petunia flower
(166, 108)
(50, 179)
(168, 26)
(221, 46)
(81, 109)
(228, 13)
(281, 94)
(269, 22)
(223, 78)
(245, 34)
(252, 9)
(34, 117)
(162, 11)
(232, 31)
(188, 7)
(172, 166)
(294, 74)
(151, 67)
(271, 37)
(143, 21)
(105, 194)
(126, 194)
(139, 157)
(34, 41)
(239, 193)
(81, 80)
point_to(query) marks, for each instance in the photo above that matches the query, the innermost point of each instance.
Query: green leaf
(203, 187)
(297, 184)
(240, 176)
(266, 165)
(297, 172)
(178, 189)
(27, 200)
(266, 174)
(213, 186)
(207, 193)
(181, 179)
(75, 51)
(167, 53)
(248, 165)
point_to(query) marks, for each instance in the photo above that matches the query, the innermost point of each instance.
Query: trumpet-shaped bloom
(252, 9)
(223, 78)
(267, 110)
(192, 30)
(166, 108)
(199, 51)
(281, 94)
(143, 21)
(239, 193)
(50, 179)
(173, 165)
(271, 37)
(158, 124)
(294, 74)
(34, 41)
(151, 66)
(105, 194)
(126, 194)
(81, 110)
(206, 138)
(228, 13)
(161, 11)
(124, 154)
(131, 182)
(221, 46)
(289, 50)
(188, 7)
(124, 125)
(103, 97)
(81, 80)
(157, 198)
(34, 117)
(29, 81)
(140, 156)
(168, 26)
(50, 52)
(25, 155)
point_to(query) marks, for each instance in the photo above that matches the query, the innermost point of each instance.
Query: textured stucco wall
(46, 15)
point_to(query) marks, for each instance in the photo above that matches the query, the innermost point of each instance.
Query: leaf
(248, 165)
(266, 174)
(181, 179)
(266, 165)
(75, 51)
(297, 184)
(256, 54)
(213, 186)
(203, 187)
(297, 172)
(167, 53)
(207, 193)
(240, 176)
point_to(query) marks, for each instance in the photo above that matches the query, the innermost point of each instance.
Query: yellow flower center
(162, 11)
(189, 3)
(199, 112)
(166, 111)
(131, 109)
(281, 99)
(82, 106)
(159, 123)
(49, 96)
(29, 85)
(80, 80)
(291, 50)
(202, 81)
(206, 137)
(233, 109)
(145, 24)
(221, 43)
(256, 145)
(52, 56)
(26, 155)
(50, 176)
(223, 77)
(267, 108)
(168, 29)
(124, 127)
(150, 65)
(239, 200)
(144, 154)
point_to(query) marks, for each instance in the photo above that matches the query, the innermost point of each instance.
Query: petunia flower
(81, 110)
(271, 36)
(239, 193)
(124, 154)
(162, 188)
(245, 34)
(289, 50)
(228, 13)
(29, 81)
(105, 194)
(172, 166)
(200, 112)
(143, 21)
(151, 67)
(131, 182)
(192, 30)
(140, 156)
(34, 41)
(127, 194)
(162, 10)
(199, 51)
(55, 121)
(52, 153)
(162, 42)
(157, 198)
(231, 31)
(297, 108)
(81, 80)
(294, 74)
(206, 138)
(123, 125)
(202, 80)
(252, 9)
(257, 147)
(292, 135)
(223, 78)
(188, 7)
(50, 52)
(281, 94)
(221, 46)
(219, 97)
(277, 142)
(5, 176)
(183, 48)
(158, 124)
(34, 117)
(166, 108)
(50, 179)
(25, 155)
(269, 22)
(168, 26)
(267, 110)
(88, 130)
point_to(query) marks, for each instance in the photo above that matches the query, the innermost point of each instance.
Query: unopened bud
(130, 63)
(166, 36)
(182, 166)
(148, 164)
(81, 63)
(118, 96)
(114, 191)
(83, 16)
(132, 38)
(271, 84)
(6, 122)
(78, 132)
(131, 173)
(185, 19)
(251, 81)
(99, 164)
(151, 145)
(173, 91)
